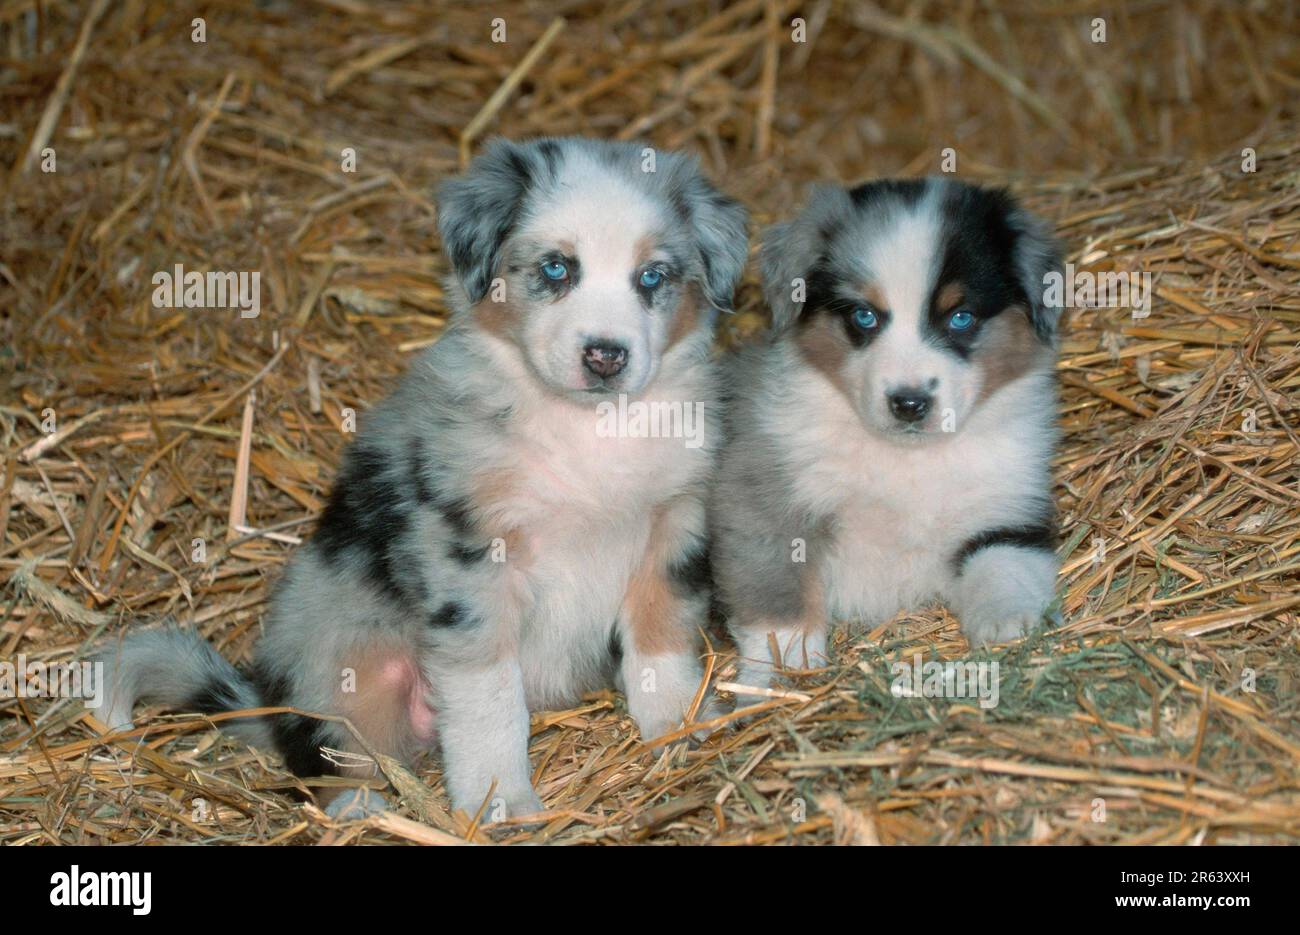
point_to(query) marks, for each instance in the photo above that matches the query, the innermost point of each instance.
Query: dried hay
(1178, 479)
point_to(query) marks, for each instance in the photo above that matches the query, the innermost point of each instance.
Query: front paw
(759, 676)
(660, 691)
(711, 708)
(653, 726)
(1000, 623)
(503, 805)
(1004, 593)
(518, 805)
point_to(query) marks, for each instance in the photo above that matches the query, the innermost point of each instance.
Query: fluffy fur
(879, 457)
(486, 550)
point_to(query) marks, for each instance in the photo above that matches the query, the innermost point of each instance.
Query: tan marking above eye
(950, 296)
(645, 249)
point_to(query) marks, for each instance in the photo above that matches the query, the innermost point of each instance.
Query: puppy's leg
(483, 724)
(778, 621)
(482, 718)
(767, 573)
(767, 643)
(1002, 591)
(667, 601)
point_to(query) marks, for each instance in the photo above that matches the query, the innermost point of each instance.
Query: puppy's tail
(180, 669)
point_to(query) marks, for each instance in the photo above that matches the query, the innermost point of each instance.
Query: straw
(137, 484)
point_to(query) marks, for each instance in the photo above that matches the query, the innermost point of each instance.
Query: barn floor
(1164, 710)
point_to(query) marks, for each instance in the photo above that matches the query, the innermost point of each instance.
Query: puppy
(891, 443)
(488, 550)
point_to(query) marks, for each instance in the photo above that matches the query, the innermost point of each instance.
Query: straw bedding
(1163, 710)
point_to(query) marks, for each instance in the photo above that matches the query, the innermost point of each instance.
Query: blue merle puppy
(487, 551)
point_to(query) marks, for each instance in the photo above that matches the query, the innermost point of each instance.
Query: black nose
(604, 359)
(909, 405)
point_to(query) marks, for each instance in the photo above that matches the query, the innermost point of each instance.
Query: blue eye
(554, 270)
(961, 320)
(651, 278)
(865, 318)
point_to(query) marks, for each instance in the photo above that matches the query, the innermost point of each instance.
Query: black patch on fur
(389, 519)
(977, 251)
(615, 646)
(692, 574)
(215, 697)
(519, 168)
(870, 196)
(297, 738)
(456, 514)
(367, 515)
(468, 556)
(450, 614)
(424, 493)
(721, 302)
(553, 157)
(1033, 536)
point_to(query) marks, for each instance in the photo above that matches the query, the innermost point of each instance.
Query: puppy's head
(918, 299)
(590, 259)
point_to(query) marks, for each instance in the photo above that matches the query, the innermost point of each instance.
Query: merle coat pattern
(486, 552)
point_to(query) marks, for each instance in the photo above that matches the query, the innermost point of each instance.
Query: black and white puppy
(488, 550)
(890, 444)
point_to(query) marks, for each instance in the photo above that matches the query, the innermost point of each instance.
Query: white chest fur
(580, 501)
(897, 513)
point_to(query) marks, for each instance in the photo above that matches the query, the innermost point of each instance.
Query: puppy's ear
(792, 250)
(478, 209)
(1037, 255)
(720, 226)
